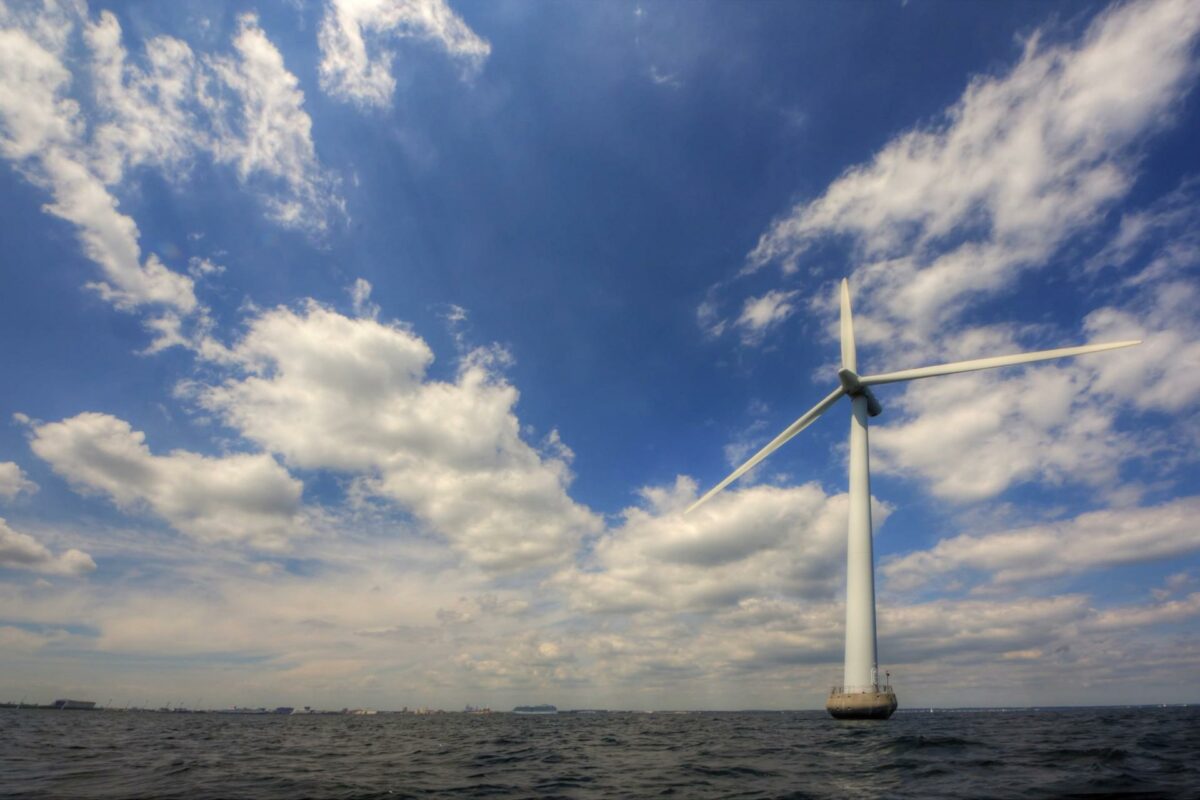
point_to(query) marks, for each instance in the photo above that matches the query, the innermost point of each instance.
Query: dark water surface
(1144, 753)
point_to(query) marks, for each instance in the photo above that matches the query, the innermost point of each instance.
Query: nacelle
(874, 409)
(853, 386)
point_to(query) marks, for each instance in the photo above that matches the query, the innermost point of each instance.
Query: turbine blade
(849, 354)
(989, 363)
(807, 419)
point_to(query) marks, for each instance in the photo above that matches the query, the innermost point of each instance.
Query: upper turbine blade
(988, 363)
(849, 354)
(791, 430)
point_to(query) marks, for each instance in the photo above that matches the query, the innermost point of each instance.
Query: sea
(1027, 753)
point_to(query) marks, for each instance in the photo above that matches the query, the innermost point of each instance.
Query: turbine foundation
(878, 702)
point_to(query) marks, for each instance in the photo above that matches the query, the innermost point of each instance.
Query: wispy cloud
(1020, 164)
(360, 297)
(243, 109)
(14, 482)
(661, 78)
(267, 134)
(356, 59)
(43, 132)
(760, 314)
(950, 214)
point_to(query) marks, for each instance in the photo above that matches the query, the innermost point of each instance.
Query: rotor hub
(853, 386)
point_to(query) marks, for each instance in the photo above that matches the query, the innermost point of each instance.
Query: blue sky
(367, 353)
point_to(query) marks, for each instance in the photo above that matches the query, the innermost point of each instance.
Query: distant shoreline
(580, 711)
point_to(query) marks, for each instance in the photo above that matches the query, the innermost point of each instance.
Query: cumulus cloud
(378, 623)
(1023, 161)
(234, 498)
(356, 61)
(21, 551)
(761, 541)
(1090, 541)
(352, 394)
(971, 437)
(14, 482)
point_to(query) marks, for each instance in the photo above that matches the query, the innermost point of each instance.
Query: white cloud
(202, 267)
(356, 62)
(761, 541)
(21, 551)
(1135, 617)
(360, 296)
(972, 437)
(245, 110)
(42, 131)
(148, 116)
(1171, 224)
(954, 213)
(328, 391)
(976, 628)
(1091, 541)
(741, 596)
(373, 620)
(661, 78)
(708, 317)
(1021, 162)
(1162, 373)
(111, 240)
(762, 313)
(14, 482)
(32, 109)
(17, 640)
(1173, 584)
(272, 135)
(234, 498)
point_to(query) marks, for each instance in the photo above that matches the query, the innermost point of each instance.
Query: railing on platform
(878, 688)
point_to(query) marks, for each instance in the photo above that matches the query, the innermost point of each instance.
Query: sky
(366, 353)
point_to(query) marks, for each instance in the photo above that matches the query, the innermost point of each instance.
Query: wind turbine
(860, 696)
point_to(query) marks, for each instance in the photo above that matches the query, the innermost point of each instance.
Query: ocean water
(1075, 753)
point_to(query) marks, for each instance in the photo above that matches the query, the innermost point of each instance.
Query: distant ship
(74, 705)
(535, 710)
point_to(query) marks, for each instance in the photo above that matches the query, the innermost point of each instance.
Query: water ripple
(1084, 753)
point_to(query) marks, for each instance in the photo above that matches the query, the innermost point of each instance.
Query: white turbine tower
(860, 695)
